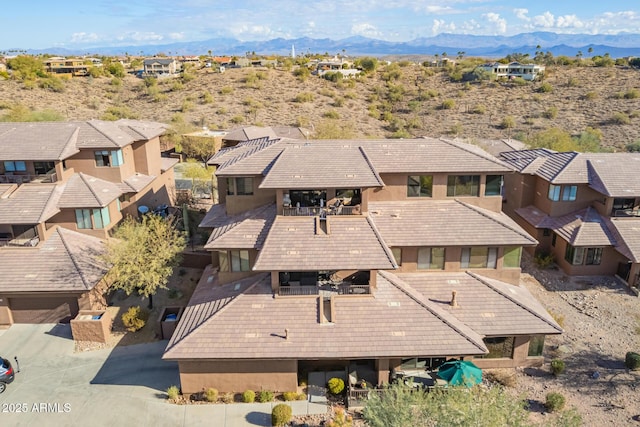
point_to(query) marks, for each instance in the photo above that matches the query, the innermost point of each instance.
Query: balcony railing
(320, 211)
(20, 179)
(626, 212)
(27, 242)
(339, 289)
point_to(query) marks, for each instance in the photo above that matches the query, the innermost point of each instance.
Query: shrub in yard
(448, 104)
(290, 395)
(543, 260)
(265, 396)
(249, 396)
(211, 395)
(555, 402)
(557, 367)
(301, 396)
(304, 97)
(551, 113)
(135, 318)
(506, 378)
(228, 398)
(281, 415)
(632, 361)
(173, 392)
(620, 118)
(336, 385)
(509, 122)
(340, 419)
(545, 88)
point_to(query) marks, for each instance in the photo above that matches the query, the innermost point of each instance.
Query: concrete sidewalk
(118, 386)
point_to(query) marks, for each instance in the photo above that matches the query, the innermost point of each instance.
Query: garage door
(43, 310)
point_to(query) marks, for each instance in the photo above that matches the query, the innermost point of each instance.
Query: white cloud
(440, 26)
(84, 37)
(569, 21)
(546, 20)
(500, 24)
(470, 26)
(177, 36)
(260, 31)
(522, 14)
(438, 10)
(365, 29)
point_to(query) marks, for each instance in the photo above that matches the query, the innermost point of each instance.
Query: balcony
(22, 242)
(294, 289)
(323, 283)
(626, 212)
(320, 211)
(9, 178)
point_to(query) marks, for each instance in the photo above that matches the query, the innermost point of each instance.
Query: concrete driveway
(116, 386)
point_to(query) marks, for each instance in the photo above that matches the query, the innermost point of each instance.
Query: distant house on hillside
(70, 66)
(160, 67)
(512, 70)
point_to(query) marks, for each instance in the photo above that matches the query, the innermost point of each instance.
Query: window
(350, 197)
(419, 186)
(569, 192)
(620, 204)
(494, 185)
(106, 158)
(101, 217)
(397, 255)
(582, 255)
(511, 257)
(431, 258)
(463, 185)
(479, 257)
(15, 166)
(307, 198)
(499, 347)
(234, 261)
(240, 186)
(553, 240)
(42, 168)
(83, 218)
(536, 345)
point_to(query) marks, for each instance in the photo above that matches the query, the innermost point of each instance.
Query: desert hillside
(395, 101)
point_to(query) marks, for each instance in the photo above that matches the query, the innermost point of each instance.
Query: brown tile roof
(252, 157)
(301, 166)
(497, 146)
(67, 261)
(244, 321)
(216, 216)
(626, 232)
(581, 228)
(488, 306)
(30, 204)
(7, 189)
(444, 223)
(244, 231)
(85, 191)
(135, 183)
(614, 174)
(167, 163)
(294, 244)
(250, 132)
(533, 216)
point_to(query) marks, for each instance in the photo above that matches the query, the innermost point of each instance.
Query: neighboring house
(584, 208)
(366, 256)
(512, 70)
(70, 66)
(336, 66)
(249, 133)
(160, 67)
(63, 187)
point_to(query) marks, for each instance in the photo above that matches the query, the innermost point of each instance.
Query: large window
(583, 256)
(463, 185)
(419, 186)
(106, 158)
(234, 261)
(499, 347)
(479, 257)
(621, 204)
(568, 192)
(494, 185)
(83, 218)
(241, 186)
(42, 168)
(349, 196)
(511, 257)
(536, 346)
(431, 258)
(397, 255)
(15, 166)
(307, 198)
(100, 217)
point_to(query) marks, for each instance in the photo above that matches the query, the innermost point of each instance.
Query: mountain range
(619, 45)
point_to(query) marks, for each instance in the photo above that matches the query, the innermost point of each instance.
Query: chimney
(454, 299)
(286, 334)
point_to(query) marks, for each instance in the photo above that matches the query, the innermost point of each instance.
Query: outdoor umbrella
(460, 372)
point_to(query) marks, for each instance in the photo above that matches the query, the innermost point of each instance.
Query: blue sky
(93, 23)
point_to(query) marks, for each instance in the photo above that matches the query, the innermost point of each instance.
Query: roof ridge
(480, 211)
(405, 287)
(373, 169)
(487, 156)
(93, 124)
(72, 258)
(74, 138)
(57, 190)
(485, 282)
(573, 157)
(385, 247)
(82, 176)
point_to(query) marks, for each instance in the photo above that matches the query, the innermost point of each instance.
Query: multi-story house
(581, 207)
(513, 69)
(70, 66)
(63, 187)
(372, 257)
(161, 67)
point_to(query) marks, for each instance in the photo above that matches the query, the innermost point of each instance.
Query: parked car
(7, 374)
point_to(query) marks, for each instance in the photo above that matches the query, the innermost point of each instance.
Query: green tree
(367, 64)
(26, 67)
(143, 255)
(116, 69)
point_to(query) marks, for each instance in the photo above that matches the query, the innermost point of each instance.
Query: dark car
(6, 374)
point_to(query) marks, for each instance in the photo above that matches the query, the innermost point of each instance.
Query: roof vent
(454, 299)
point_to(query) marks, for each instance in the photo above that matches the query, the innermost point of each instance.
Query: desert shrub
(569, 418)
(634, 147)
(338, 102)
(632, 94)
(237, 120)
(554, 402)
(118, 112)
(573, 82)
(448, 104)
(135, 318)
(336, 385)
(186, 106)
(211, 394)
(543, 259)
(227, 398)
(290, 395)
(173, 392)
(206, 97)
(427, 94)
(226, 90)
(455, 129)
(590, 96)
(551, 113)
(557, 367)
(618, 95)
(400, 134)
(620, 118)
(265, 396)
(301, 396)
(509, 122)
(302, 73)
(249, 396)
(505, 377)
(303, 97)
(53, 84)
(559, 318)
(632, 361)
(340, 419)
(479, 109)
(333, 76)
(281, 415)
(331, 114)
(545, 88)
